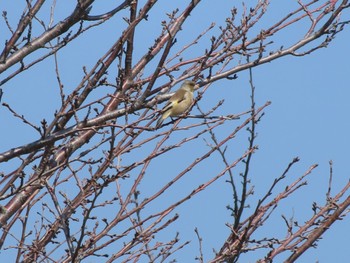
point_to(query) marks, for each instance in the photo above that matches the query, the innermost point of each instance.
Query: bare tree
(102, 147)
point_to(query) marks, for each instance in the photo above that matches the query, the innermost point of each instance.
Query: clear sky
(308, 118)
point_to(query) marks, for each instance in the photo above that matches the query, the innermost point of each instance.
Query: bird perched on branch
(179, 102)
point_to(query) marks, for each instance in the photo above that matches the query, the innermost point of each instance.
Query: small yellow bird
(179, 102)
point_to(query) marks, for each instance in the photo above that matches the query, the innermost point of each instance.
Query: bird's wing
(179, 96)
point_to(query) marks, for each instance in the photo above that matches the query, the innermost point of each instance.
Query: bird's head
(188, 85)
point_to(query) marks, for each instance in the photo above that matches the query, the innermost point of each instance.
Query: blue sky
(308, 118)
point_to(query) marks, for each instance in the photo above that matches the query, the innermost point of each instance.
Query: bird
(179, 102)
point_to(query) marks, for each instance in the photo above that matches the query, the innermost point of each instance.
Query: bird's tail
(159, 122)
(161, 119)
